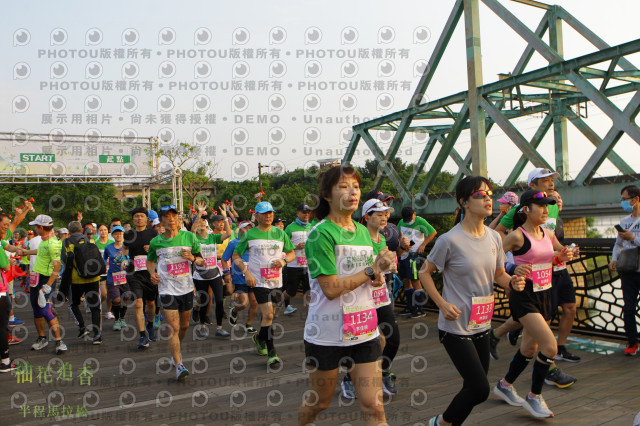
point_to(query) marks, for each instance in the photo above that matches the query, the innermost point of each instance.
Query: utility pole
(260, 167)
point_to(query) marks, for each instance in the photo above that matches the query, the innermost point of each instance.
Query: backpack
(87, 259)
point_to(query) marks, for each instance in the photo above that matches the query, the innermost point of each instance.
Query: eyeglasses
(479, 195)
(169, 207)
(626, 198)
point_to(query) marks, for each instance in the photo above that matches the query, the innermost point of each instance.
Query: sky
(277, 83)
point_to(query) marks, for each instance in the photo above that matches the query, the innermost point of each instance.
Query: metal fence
(598, 293)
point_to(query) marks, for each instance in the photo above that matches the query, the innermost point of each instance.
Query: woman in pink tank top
(538, 250)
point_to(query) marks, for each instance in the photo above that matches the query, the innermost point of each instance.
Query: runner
(5, 307)
(80, 286)
(533, 245)
(47, 265)
(278, 222)
(375, 214)
(420, 233)
(209, 276)
(174, 251)
(342, 319)
(265, 245)
(136, 246)
(117, 277)
(296, 272)
(471, 259)
(102, 241)
(246, 297)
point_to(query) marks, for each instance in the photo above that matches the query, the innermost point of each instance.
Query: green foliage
(591, 231)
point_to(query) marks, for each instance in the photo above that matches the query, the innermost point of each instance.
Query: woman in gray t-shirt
(471, 259)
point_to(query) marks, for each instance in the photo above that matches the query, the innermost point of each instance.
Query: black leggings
(202, 292)
(470, 355)
(92, 296)
(389, 328)
(5, 308)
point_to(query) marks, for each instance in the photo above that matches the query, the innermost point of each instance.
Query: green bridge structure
(559, 91)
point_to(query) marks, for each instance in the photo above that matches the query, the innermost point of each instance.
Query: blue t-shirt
(236, 276)
(110, 253)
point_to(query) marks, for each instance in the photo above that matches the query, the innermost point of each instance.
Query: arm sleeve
(54, 251)
(616, 249)
(439, 253)
(243, 244)
(320, 255)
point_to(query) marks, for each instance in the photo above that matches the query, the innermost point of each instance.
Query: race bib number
(269, 274)
(140, 263)
(541, 277)
(481, 312)
(34, 277)
(380, 296)
(559, 267)
(301, 260)
(209, 254)
(178, 267)
(210, 262)
(359, 322)
(119, 278)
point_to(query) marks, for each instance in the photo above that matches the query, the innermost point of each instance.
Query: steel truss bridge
(559, 91)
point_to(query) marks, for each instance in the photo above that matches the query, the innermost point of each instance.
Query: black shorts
(406, 269)
(180, 303)
(292, 277)
(326, 358)
(266, 295)
(527, 301)
(141, 285)
(562, 290)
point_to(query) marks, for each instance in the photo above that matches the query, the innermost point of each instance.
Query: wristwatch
(369, 272)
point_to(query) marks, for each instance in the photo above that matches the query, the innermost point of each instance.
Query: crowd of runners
(349, 261)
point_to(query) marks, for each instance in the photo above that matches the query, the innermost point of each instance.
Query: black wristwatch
(370, 273)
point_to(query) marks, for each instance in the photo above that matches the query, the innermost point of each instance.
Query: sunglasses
(377, 205)
(479, 195)
(169, 207)
(539, 195)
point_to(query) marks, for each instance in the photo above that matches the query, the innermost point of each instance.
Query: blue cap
(117, 228)
(264, 207)
(152, 215)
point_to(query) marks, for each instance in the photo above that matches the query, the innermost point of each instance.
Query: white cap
(541, 173)
(155, 222)
(63, 231)
(375, 205)
(42, 220)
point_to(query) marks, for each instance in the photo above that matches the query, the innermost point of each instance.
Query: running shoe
(40, 343)
(123, 323)
(15, 322)
(202, 331)
(434, 421)
(157, 321)
(13, 340)
(60, 347)
(513, 336)
(233, 317)
(565, 355)
(556, 377)
(110, 316)
(117, 326)
(273, 360)
(97, 340)
(250, 328)
(508, 393)
(143, 343)
(493, 345)
(82, 332)
(290, 310)
(536, 405)
(173, 361)
(151, 332)
(181, 371)
(6, 368)
(405, 311)
(389, 383)
(262, 350)
(631, 350)
(348, 390)
(222, 333)
(417, 314)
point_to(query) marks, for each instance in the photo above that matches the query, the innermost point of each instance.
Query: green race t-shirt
(209, 250)
(174, 271)
(552, 218)
(417, 232)
(298, 234)
(264, 247)
(332, 250)
(48, 252)
(377, 247)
